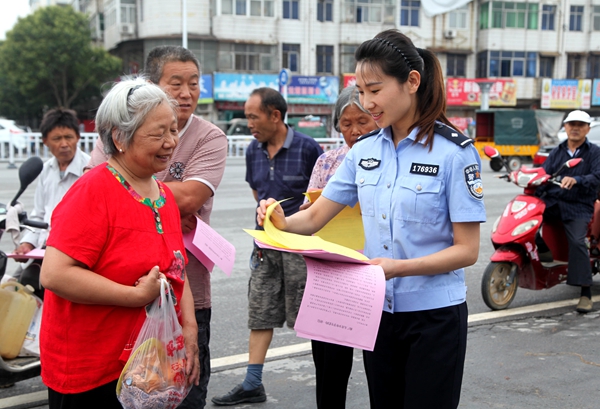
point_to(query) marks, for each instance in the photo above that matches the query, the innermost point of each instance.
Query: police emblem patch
(473, 181)
(369, 164)
(176, 170)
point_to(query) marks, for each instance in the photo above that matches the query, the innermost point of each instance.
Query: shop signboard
(466, 92)
(313, 89)
(237, 87)
(596, 92)
(566, 94)
(206, 89)
(349, 79)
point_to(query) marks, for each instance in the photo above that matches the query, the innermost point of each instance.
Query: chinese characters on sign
(466, 92)
(566, 94)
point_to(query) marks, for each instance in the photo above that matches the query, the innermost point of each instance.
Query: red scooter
(516, 263)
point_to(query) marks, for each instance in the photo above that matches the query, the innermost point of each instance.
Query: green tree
(48, 60)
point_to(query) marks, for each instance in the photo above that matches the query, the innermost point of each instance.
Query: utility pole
(184, 38)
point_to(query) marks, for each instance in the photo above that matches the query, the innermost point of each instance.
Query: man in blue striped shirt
(279, 163)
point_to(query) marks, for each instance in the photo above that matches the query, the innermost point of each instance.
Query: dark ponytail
(396, 55)
(431, 97)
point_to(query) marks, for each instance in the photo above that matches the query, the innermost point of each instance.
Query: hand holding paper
(284, 240)
(342, 301)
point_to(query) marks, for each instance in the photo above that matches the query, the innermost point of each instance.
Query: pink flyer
(342, 303)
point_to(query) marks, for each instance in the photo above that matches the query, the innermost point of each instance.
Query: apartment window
(575, 18)
(458, 18)
(456, 65)
(593, 66)
(506, 64)
(325, 10)
(513, 15)
(260, 8)
(111, 13)
(596, 19)
(291, 57)
(324, 59)
(290, 9)
(246, 57)
(482, 66)
(409, 13)
(548, 16)
(574, 66)
(347, 60)
(546, 67)
(484, 16)
(128, 11)
(369, 11)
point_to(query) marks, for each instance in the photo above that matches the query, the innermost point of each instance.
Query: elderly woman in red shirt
(114, 235)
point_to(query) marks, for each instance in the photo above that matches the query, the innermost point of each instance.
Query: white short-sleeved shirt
(409, 198)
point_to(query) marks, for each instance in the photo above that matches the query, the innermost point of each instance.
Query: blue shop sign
(237, 87)
(313, 89)
(596, 92)
(206, 89)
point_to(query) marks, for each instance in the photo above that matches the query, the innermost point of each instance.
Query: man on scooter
(60, 133)
(573, 201)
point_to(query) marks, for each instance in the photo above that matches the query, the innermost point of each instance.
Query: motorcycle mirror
(29, 170)
(568, 164)
(573, 162)
(491, 152)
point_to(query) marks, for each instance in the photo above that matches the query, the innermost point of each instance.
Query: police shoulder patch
(368, 135)
(452, 135)
(473, 181)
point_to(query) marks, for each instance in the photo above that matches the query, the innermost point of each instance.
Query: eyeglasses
(131, 90)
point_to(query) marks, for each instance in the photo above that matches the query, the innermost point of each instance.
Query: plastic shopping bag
(31, 345)
(154, 376)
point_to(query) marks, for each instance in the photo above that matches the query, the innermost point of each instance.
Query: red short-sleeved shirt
(101, 224)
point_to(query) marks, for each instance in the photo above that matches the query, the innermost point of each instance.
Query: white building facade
(520, 41)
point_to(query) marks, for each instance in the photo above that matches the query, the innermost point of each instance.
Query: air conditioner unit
(449, 34)
(127, 29)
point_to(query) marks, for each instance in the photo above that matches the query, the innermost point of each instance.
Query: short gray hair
(125, 108)
(348, 96)
(163, 54)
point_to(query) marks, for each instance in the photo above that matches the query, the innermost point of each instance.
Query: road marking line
(40, 397)
(218, 363)
(525, 310)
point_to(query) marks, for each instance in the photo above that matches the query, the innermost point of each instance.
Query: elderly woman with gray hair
(333, 363)
(114, 235)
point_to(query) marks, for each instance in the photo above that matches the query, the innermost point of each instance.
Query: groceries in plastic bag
(154, 376)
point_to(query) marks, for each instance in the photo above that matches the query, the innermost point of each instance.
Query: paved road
(547, 359)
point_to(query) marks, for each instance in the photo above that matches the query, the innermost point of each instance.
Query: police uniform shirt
(409, 198)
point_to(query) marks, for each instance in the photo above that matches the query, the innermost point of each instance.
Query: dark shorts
(275, 289)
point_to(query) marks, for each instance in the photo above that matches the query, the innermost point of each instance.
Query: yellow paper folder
(345, 229)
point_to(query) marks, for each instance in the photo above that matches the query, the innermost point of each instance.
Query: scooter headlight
(517, 206)
(495, 225)
(523, 227)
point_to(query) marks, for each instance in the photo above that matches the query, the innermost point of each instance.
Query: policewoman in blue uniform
(419, 186)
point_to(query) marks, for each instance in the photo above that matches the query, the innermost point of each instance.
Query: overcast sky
(11, 11)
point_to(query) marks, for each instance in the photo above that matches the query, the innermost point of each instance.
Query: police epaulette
(368, 135)
(452, 135)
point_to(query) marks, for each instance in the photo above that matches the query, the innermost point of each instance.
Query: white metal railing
(12, 153)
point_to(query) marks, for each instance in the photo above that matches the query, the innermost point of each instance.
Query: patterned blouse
(326, 166)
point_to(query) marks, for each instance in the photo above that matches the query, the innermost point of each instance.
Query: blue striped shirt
(287, 174)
